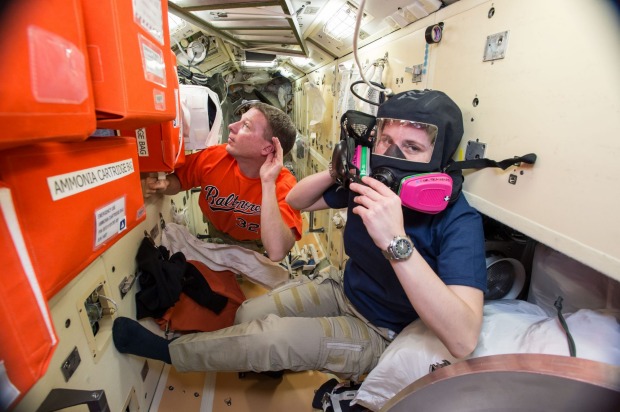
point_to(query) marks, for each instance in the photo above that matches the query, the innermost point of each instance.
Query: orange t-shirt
(230, 200)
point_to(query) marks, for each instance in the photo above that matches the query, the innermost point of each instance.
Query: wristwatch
(400, 248)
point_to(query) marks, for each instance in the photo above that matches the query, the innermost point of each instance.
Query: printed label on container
(72, 183)
(148, 15)
(153, 62)
(177, 120)
(159, 100)
(143, 145)
(110, 220)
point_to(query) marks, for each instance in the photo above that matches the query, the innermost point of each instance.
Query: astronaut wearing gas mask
(415, 246)
(404, 154)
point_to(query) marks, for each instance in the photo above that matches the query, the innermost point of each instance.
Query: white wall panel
(556, 93)
(102, 366)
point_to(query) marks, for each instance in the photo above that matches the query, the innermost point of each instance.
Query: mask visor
(405, 140)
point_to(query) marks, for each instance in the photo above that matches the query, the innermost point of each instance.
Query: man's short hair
(281, 125)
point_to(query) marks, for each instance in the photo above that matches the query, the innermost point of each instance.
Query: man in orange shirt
(243, 183)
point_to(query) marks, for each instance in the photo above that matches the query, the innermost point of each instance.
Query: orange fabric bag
(188, 316)
(160, 146)
(45, 91)
(27, 336)
(73, 201)
(128, 45)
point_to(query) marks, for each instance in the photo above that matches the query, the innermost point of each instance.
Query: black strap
(483, 163)
(569, 337)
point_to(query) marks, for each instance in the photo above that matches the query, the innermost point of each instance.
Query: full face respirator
(397, 150)
(412, 144)
(408, 147)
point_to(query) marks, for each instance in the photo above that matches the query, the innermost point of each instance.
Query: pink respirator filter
(428, 192)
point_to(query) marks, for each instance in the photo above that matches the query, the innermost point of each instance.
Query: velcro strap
(484, 163)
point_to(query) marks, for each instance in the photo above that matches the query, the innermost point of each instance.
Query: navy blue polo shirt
(451, 242)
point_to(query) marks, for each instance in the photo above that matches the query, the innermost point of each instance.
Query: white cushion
(509, 326)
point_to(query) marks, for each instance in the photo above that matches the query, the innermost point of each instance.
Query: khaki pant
(220, 237)
(303, 325)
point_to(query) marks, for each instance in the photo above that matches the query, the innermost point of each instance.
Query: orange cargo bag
(45, 86)
(129, 52)
(188, 316)
(73, 201)
(27, 337)
(161, 146)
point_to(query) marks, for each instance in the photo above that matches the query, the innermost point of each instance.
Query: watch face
(403, 248)
(399, 249)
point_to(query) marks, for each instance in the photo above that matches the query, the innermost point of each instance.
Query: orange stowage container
(73, 201)
(161, 147)
(27, 336)
(128, 48)
(45, 85)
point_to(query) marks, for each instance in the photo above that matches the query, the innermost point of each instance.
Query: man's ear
(268, 148)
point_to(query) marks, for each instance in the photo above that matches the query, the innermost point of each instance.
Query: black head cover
(432, 107)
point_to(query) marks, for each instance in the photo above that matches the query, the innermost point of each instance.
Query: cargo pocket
(344, 358)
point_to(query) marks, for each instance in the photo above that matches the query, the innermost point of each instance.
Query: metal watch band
(392, 254)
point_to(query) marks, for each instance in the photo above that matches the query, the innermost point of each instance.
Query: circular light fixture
(196, 51)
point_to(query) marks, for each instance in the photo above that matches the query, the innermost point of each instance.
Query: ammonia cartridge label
(72, 183)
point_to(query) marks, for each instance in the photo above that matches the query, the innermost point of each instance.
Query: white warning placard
(110, 220)
(153, 62)
(148, 14)
(69, 184)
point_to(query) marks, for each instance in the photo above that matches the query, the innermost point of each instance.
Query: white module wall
(555, 93)
(85, 358)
